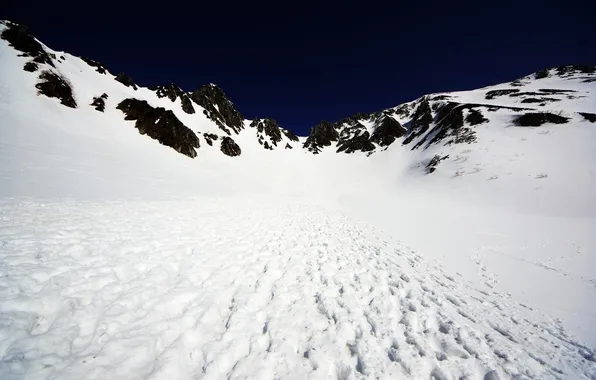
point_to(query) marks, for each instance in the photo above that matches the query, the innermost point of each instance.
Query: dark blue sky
(303, 62)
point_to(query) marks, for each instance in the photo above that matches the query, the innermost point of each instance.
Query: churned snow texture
(212, 289)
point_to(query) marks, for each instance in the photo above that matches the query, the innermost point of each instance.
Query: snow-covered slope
(122, 258)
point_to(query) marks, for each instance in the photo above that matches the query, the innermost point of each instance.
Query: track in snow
(245, 289)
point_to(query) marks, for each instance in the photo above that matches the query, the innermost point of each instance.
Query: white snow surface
(122, 259)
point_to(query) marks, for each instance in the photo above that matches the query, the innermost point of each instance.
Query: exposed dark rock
(288, 146)
(589, 116)
(210, 137)
(543, 101)
(19, 38)
(161, 125)
(540, 74)
(99, 102)
(420, 121)
(174, 92)
(290, 135)
(495, 93)
(441, 97)
(229, 147)
(98, 66)
(450, 127)
(475, 117)
(30, 66)
(359, 142)
(432, 164)
(386, 131)
(54, 85)
(126, 80)
(218, 108)
(267, 127)
(321, 135)
(536, 119)
(569, 70)
(551, 91)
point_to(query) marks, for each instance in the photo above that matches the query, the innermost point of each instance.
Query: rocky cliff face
(270, 135)
(173, 92)
(218, 108)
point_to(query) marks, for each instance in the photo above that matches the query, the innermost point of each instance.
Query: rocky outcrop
(496, 93)
(174, 92)
(19, 37)
(322, 134)
(536, 119)
(161, 125)
(475, 117)
(218, 108)
(434, 162)
(229, 147)
(588, 116)
(359, 141)
(267, 129)
(54, 85)
(30, 66)
(569, 70)
(420, 122)
(98, 66)
(291, 136)
(210, 137)
(126, 80)
(386, 131)
(270, 134)
(450, 128)
(541, 74)
(99, 102)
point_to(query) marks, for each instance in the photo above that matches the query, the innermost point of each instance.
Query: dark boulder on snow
(588, 116)
(229, 147)
(19, 37)
(174, 92)
(126, 80)
(535, 119)
(322, 134)
(54, 85)
(98, 66)
(210, 137)
(387, 130)
(161, 125)
(218, 108)
(30, 66)
(99, 102)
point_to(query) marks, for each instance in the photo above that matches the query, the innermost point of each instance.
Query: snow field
(238, 288)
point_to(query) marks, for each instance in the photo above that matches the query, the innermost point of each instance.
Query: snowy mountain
(450, 237)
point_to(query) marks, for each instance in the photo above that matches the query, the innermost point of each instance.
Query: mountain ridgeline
(432, 120)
